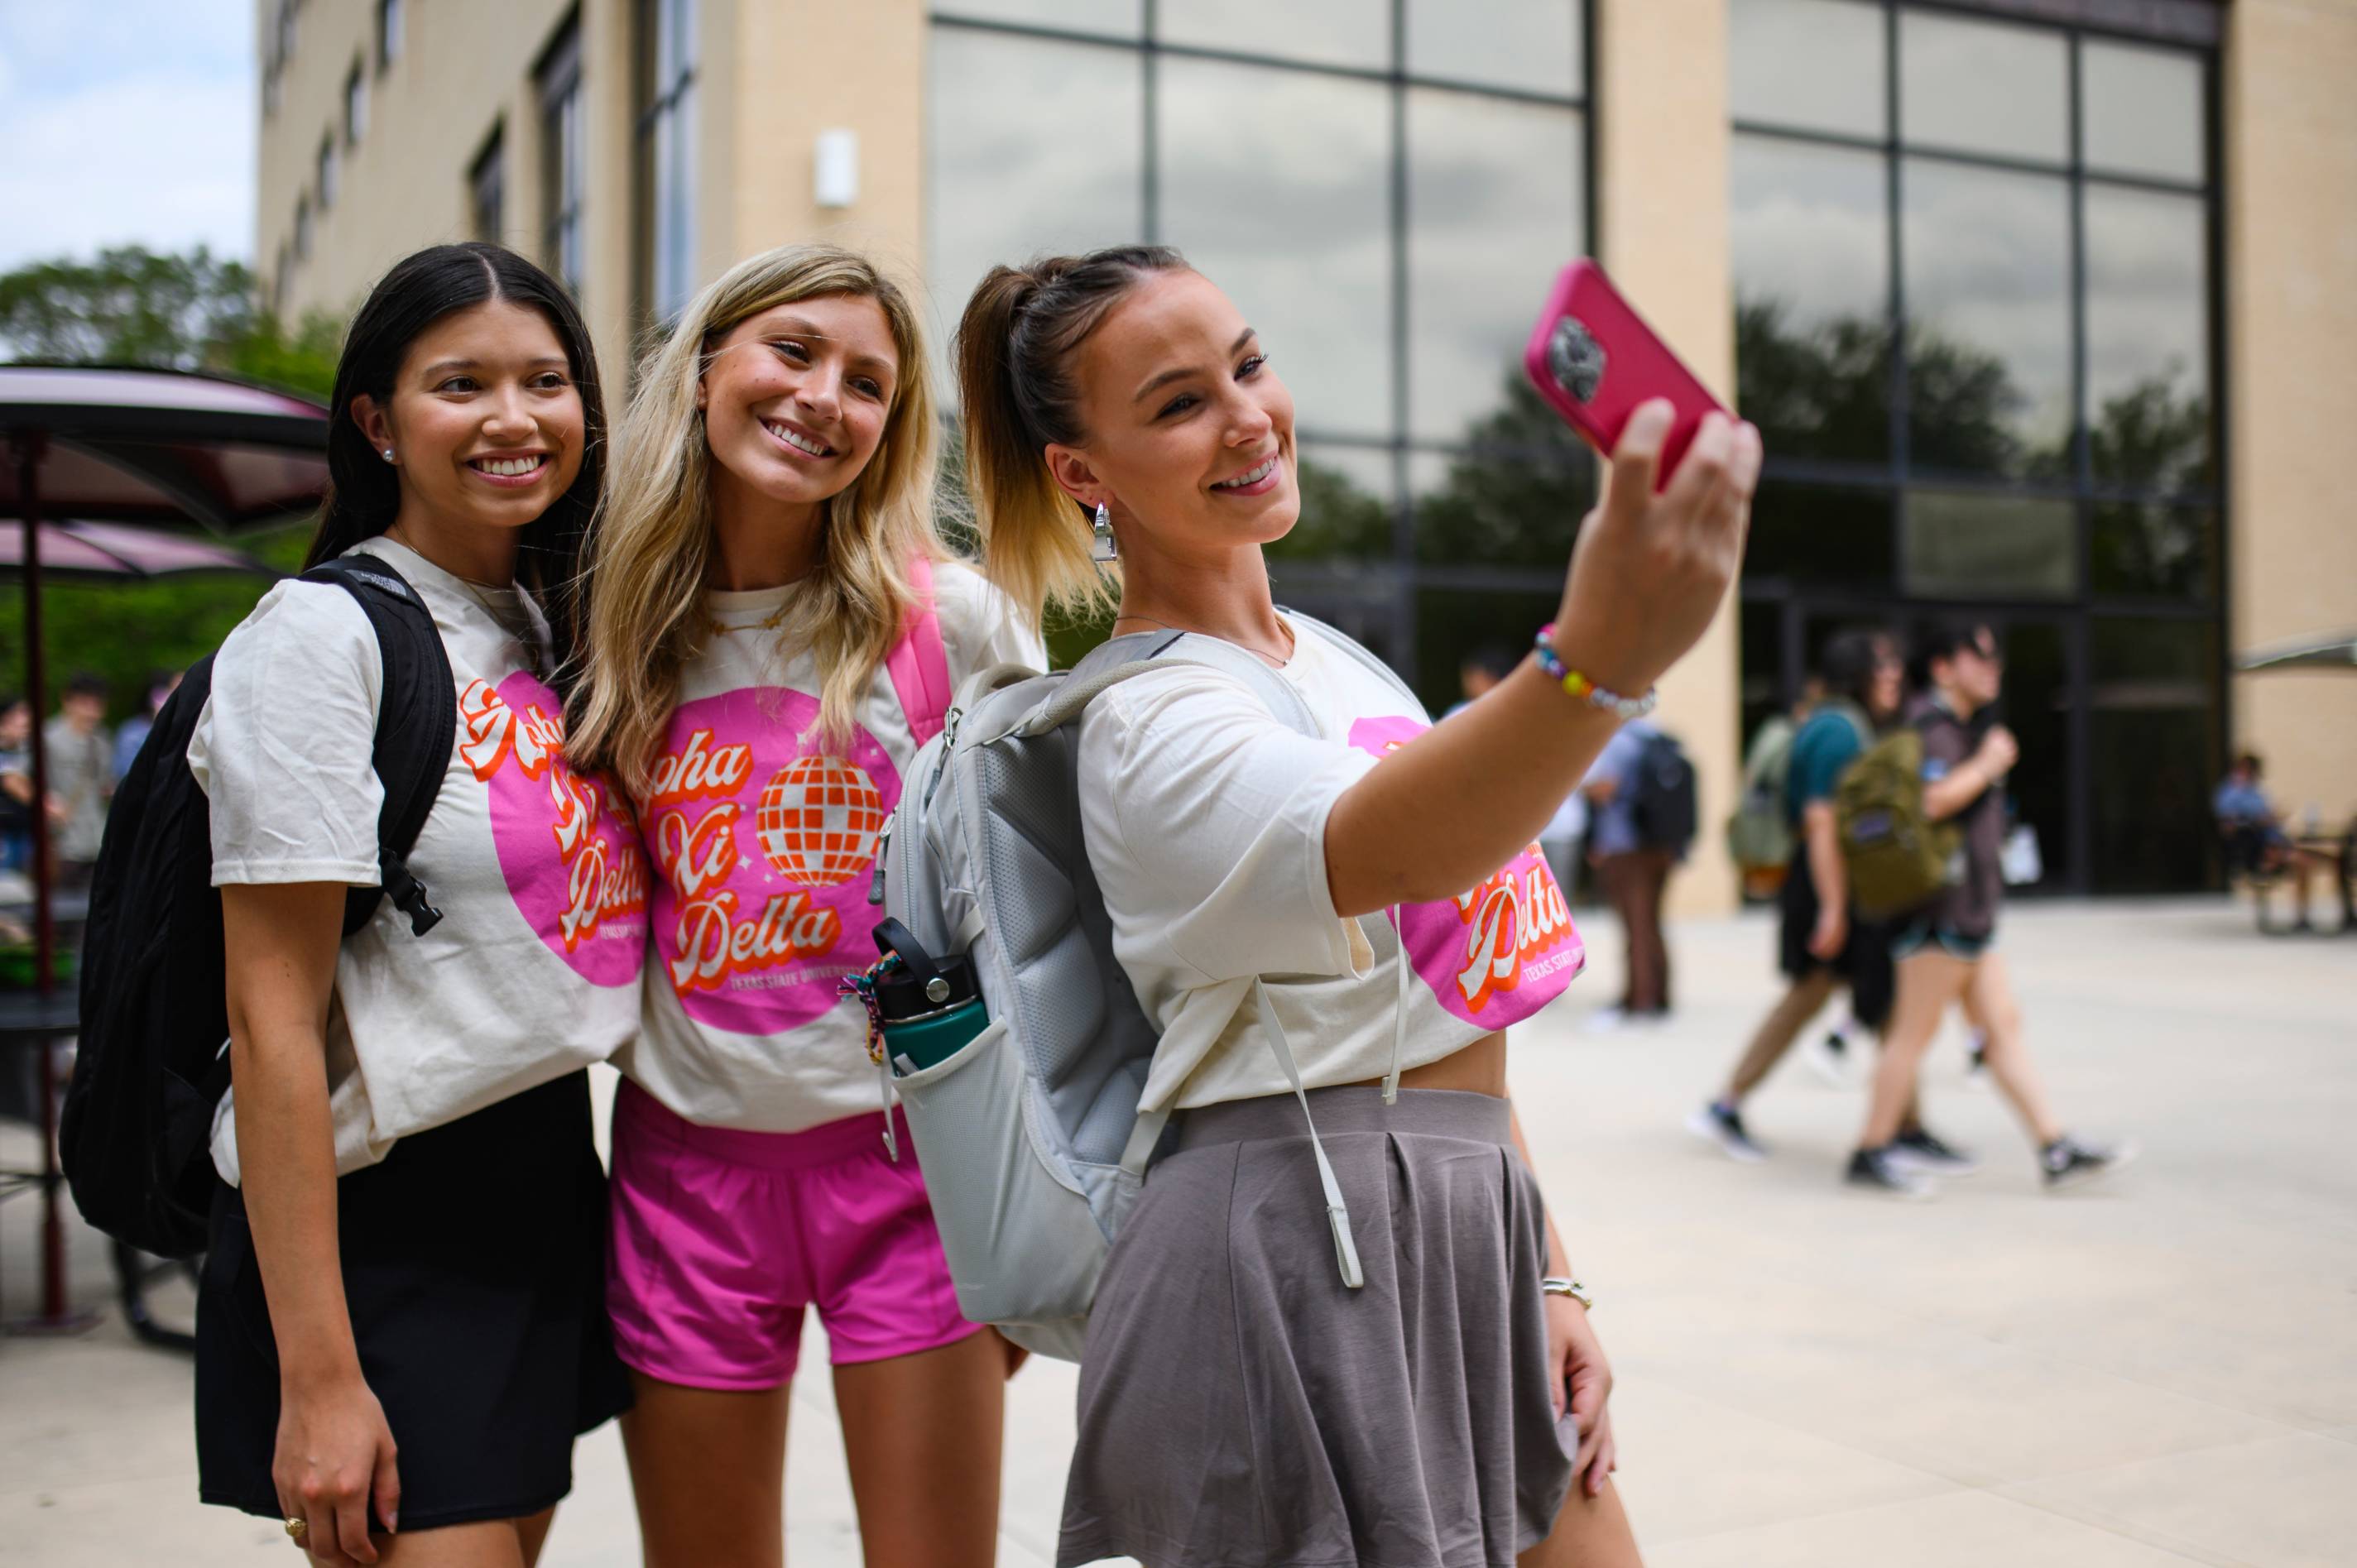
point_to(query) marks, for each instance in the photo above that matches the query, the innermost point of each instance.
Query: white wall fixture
(834, 172)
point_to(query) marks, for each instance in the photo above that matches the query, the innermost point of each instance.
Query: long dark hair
(364, 491)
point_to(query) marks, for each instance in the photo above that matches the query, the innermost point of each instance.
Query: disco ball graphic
(818, 821)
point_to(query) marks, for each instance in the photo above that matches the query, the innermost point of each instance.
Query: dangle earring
(1102, 546)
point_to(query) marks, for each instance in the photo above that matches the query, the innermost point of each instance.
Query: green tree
(187, 312)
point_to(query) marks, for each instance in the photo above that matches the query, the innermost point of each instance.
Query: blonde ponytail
(1014, 345)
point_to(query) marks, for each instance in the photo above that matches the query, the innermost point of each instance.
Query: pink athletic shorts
(722, 1236)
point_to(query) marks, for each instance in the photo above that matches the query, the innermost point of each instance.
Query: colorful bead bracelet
(1576, 684)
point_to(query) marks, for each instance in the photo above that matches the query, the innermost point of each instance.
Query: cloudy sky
(125, 120)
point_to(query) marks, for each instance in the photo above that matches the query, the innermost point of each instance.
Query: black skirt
(474, 1262)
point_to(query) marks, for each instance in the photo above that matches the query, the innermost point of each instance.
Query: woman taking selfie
(1240, 1403)
(400, 1327)
(775, 629)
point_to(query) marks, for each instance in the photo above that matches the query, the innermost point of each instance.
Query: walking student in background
(400, 1327)
(1641, 794)
(774, 630)
(82, 777)
(1240, 1403)
(1945, 952)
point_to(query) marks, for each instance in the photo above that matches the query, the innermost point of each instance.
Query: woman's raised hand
(1650, 569)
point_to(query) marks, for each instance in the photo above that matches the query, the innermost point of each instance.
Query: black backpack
(1661, 796)
(153, 1059)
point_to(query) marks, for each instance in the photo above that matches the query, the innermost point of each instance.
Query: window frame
(1382, 590)
(563, 174)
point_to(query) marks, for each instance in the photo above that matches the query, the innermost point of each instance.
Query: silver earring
(1102, 546)
(388, 454)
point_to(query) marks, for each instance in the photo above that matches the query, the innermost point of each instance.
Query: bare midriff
(1479, 1068)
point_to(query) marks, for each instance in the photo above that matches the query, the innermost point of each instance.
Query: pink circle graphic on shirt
(763, 843)
(1497, 953)
(568, 848)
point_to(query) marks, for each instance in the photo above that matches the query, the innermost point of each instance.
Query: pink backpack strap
(919, 664)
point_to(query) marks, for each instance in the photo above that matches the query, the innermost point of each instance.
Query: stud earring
(388, 454)
(1102, 546)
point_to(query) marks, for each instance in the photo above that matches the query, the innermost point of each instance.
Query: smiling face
(1189, 431)
(485, 421)
(796, 399)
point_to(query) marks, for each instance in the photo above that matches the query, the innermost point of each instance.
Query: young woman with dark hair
(1264, 1383)
(400, 1323)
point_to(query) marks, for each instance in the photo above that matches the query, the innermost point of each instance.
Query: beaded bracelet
(1576, 684)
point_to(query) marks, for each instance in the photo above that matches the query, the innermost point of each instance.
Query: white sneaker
(1828, 1060)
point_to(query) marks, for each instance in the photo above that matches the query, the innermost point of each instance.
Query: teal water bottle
(931, 1007)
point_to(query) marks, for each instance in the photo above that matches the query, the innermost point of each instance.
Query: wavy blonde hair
(650, 549)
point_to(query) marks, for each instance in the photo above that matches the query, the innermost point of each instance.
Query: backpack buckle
(409, 894)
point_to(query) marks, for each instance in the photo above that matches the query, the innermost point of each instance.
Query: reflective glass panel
(1276, 184)
(1115, 18)
(1517, 506)
(1816, 65)
(1973, 546)
(1816, 534)
(1009, 177)
(1347, 499)
(1493, 214)
(2140, 111)
(1534, 45)
(1329, 32)
(2160, 551)
(2154, 693)
(1988, 319)
(1812, 252)
(1452, 624)
(2149, 338)
(2035, 703)
(1983, 87)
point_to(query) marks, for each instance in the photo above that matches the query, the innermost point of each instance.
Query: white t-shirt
(763, 842)
(1205, 819)
(535, 968)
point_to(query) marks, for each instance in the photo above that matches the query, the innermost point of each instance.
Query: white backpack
(1033, 1145)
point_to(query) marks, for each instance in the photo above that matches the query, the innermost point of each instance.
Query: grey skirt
(1239, 1408)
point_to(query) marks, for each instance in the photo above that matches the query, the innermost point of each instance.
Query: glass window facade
(1976, 269)
(666, 156)
(564, 157)
(1385, 188)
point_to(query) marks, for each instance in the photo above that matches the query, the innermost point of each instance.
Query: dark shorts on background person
(474, 1272)
(1240, 1407)
(1863, 965)
(1917, 936)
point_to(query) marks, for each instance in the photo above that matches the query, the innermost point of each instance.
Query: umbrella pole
(53, 1236)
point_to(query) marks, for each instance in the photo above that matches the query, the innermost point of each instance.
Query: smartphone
(1592, 356)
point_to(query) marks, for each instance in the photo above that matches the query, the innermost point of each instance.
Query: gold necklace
(1270, 660)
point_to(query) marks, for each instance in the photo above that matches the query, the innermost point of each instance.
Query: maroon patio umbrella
(119, 444)
(116, 552)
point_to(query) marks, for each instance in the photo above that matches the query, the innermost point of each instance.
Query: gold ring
(298, 1527)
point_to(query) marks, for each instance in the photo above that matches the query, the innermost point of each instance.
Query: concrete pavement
(2159, 1372)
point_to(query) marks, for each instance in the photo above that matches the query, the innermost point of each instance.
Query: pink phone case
(1592, 356)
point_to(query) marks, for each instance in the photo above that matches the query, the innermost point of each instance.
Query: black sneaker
(2068, 1162)
(1723, 1125)
(1875, 1171)
(1924, 1153)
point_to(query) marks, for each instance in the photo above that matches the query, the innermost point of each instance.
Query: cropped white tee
(1205, 819)
(533, 969)
(763, 837)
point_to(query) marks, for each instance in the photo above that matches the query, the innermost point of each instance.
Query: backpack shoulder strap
(919, 663)
(415, 725)
(1118, 659)
(1359, 653)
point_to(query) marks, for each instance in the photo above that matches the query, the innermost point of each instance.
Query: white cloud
(136, 125)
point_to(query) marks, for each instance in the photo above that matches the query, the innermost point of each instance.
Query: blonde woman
(1240, 1403)
(774, 628)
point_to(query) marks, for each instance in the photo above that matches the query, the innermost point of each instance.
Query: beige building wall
(2291, 194)
(1661, 147)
